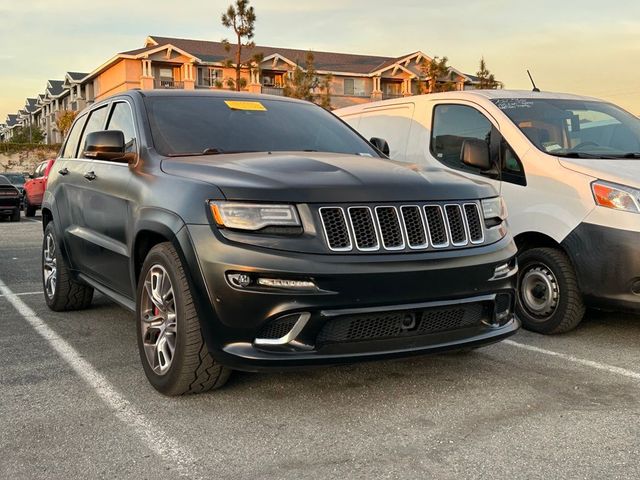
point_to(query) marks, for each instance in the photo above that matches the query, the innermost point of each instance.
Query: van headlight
(618, 197)
(493, 208)
(254, 216)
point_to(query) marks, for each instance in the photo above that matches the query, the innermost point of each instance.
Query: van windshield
(575, 128)
(201, 125)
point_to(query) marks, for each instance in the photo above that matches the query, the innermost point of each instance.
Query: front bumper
(350, 286)
(8, 207)
(607, 264)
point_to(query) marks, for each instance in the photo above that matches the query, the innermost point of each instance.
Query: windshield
(4, 181)
(575, 128)
(15, 178)
(184, 125)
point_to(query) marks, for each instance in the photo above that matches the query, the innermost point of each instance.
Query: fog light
(283, 283)
(241, 280)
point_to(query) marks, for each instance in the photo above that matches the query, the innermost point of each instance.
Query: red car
(35, 186)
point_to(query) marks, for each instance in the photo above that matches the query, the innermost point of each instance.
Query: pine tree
(438, 75)
(486, 79)
(241, 18)
(304, 81)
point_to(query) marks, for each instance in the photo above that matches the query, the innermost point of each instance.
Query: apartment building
(177, 63)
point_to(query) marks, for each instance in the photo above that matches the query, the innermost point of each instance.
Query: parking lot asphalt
(74, 403)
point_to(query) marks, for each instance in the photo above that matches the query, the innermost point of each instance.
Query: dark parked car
(17, 180)
(254, 232)
(9, 200)
(35, 186)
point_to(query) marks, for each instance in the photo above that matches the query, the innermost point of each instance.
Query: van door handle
(90, 176)
(64, 171)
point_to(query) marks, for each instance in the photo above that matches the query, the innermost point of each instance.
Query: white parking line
(580, 361)
(151, 434)
(24, 293)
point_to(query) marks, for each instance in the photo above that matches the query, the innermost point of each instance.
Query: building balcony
(273, 90)
(165, 83)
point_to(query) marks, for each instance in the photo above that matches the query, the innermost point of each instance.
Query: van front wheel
(549, 300)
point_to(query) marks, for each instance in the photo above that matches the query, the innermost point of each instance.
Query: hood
(304, 177)
(621, 171)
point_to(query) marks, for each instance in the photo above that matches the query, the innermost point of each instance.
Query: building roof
(12, 120)
(76, 76)
(209, 51)
(55, 87)
(31, 106)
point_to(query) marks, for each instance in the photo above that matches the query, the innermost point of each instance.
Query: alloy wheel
(50, 266)
(158, 319)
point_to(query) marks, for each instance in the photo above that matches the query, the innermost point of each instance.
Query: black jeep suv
(9, 199)
(254, 232)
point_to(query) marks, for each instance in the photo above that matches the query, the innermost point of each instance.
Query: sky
(586, 47)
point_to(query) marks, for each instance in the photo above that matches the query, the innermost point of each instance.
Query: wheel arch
(529, 240)
(154, 228)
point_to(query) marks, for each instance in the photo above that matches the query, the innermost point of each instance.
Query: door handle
(90, 176)
(64, 171)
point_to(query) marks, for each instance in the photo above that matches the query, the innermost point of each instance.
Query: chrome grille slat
(456, 225)
(414, 226)
(438, 235)
(389, 226)
(474, 223)
(336, 232)
(364, 230)
(392, 228)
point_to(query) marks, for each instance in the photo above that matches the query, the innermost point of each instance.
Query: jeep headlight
(493, 208)
(254, 216)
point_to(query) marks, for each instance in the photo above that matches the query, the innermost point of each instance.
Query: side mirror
(107, 145)
(475, 153)
(381, 144)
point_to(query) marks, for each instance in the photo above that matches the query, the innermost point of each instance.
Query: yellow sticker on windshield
(244, 105)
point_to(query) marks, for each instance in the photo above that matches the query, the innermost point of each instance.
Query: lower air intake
(396, 324)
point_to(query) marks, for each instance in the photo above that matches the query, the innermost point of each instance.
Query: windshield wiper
(207, 151)
(587, 155)
(212, 151)
(631, 155)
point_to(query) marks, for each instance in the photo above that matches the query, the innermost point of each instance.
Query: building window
(165, 74)
(354, 87)
(209, 77)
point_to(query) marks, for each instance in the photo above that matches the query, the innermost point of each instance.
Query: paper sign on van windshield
(511, 103)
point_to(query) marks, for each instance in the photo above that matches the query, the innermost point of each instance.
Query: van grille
(390, 228)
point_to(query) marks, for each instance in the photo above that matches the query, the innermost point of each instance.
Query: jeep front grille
(372, 228)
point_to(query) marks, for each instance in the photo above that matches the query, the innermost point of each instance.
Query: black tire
(15, 216)
(29, 211)
(553, 266)
(192, 369)
(68, 294)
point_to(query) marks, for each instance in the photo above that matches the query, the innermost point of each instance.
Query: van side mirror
(107, 145)
(475, 153)
(381, 144)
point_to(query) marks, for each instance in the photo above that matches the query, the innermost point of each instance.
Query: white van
(569, 169)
